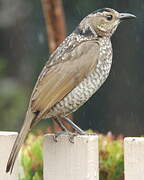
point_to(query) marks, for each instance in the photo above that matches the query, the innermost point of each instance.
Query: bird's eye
(109, 17)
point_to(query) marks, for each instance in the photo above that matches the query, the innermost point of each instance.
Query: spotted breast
(79, 95)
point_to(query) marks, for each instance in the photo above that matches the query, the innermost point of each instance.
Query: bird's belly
(80, 94)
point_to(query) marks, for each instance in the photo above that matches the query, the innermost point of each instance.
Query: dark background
(118, 106)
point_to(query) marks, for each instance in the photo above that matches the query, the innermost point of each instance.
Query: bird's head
(104, 21)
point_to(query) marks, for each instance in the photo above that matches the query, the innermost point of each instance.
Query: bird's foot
(70, 134)
(57, 134)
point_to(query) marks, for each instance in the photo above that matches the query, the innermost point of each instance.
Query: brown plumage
(74, 72)
(62, 77)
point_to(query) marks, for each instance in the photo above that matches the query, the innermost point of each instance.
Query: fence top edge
(133, 139)
(7, 133)
(77, 136)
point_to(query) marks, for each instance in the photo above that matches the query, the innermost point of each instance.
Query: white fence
(78, 161)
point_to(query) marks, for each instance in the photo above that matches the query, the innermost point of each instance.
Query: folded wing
(59, 79)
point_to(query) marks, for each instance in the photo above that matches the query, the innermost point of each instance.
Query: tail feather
(20, 140)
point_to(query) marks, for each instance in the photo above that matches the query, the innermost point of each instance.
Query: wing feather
(63, 77)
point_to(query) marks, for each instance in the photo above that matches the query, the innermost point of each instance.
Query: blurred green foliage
(32, 158)
(13, 98)
(111, 158)
(3, 66)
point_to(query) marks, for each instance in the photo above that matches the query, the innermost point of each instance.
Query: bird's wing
(58, 80)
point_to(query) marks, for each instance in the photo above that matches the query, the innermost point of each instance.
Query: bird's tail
(20, 140)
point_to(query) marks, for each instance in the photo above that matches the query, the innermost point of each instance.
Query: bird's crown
(103, 22)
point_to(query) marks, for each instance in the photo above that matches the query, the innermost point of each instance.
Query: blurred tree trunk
(55, 22)
(56, 31)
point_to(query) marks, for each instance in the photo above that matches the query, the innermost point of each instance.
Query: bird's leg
(64, 129)
(58, 121)
(77, 129)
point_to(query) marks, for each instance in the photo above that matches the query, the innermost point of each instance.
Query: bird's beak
(124, 16)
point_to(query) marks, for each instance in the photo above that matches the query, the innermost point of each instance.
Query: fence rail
(6, 142)
(79, 160)
(134, 158)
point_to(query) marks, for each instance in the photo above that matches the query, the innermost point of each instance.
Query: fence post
(134, 158)
(73, 161)
(6, 142)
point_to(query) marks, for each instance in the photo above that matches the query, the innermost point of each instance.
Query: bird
(73, 73)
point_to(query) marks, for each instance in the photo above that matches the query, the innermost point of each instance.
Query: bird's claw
(70, 134)
(56, 135)
(71, 138)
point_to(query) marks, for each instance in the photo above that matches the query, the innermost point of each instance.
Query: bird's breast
(105, 58)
